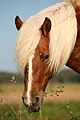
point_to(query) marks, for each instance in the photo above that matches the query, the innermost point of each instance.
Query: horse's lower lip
(35, 109)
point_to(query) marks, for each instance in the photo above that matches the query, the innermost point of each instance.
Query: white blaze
(30, 78)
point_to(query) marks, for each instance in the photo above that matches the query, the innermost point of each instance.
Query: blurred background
(8, 11)
(65, 97)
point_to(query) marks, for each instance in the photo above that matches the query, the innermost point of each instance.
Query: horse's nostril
(22, 98)
(24, 101)
(36, 99)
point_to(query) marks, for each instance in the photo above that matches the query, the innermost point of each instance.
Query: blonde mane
(62, 35)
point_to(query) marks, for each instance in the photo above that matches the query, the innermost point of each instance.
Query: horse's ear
(46, 27)
(18, 22)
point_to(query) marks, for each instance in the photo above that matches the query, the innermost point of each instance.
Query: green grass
(50, 111)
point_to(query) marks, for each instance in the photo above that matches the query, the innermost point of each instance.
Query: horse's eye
(44, 57)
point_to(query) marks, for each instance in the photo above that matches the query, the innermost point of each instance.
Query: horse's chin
(33, 109)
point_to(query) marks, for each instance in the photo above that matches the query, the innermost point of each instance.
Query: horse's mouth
(35, 104)
(33, 109)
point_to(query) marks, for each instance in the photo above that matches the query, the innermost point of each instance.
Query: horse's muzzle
(34, 105)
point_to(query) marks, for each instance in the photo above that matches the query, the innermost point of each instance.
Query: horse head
(37, 72)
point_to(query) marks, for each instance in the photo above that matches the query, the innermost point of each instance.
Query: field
(50, 111)
(61, 102)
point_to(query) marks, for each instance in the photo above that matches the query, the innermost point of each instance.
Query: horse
(46, 42)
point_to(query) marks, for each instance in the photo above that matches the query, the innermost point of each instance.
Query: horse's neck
(74, 60)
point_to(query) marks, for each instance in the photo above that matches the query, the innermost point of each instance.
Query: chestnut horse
(45, 43)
